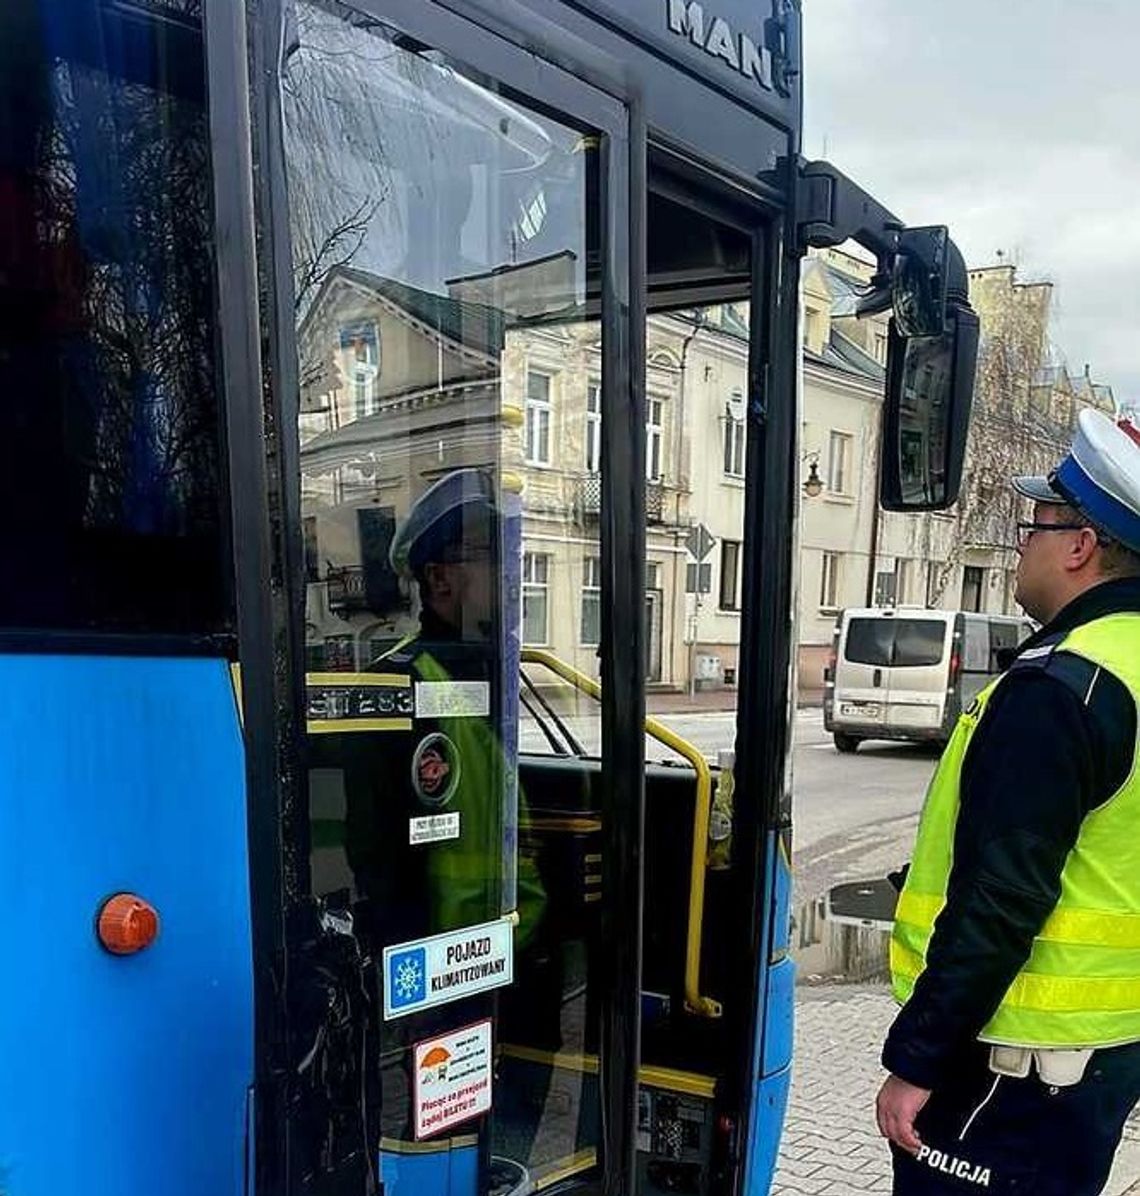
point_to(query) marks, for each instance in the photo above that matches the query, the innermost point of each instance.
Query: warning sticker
(434, 828)
(453, 1079)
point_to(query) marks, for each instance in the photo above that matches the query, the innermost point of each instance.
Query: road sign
(699, 541)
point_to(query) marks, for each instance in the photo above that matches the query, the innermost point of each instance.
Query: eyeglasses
(1025, 530)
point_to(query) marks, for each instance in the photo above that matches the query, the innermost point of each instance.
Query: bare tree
(1014, 426)
(318, 253)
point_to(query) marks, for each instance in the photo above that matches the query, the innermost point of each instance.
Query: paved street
(830, 1145)
(854, 816)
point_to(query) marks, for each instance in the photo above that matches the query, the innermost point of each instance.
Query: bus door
(717, 983)
(452, 250)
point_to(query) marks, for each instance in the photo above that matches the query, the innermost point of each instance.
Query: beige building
(1025, 410)
(399, 386)
(1024, 415)
(843, 380)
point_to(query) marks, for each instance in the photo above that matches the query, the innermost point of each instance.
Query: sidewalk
(673, 702)
(830, 1145)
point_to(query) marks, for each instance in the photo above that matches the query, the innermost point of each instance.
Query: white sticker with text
(453, 1079)
(434, 828)
(453, 699)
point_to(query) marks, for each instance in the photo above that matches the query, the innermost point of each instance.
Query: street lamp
(813, 483)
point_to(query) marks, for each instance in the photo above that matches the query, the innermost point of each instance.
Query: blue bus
(401, 446)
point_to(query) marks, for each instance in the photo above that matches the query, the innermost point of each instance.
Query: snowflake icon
(407, 977)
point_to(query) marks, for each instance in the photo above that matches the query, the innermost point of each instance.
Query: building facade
(470, 379)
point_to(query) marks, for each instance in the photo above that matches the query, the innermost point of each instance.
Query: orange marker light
(127, 924)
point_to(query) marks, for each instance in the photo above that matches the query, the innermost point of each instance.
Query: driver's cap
(439, 518)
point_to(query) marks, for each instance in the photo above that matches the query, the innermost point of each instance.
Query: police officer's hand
(898, 1105)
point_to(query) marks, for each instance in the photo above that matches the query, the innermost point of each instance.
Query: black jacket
(1057, 740)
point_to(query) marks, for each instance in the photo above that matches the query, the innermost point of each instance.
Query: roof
(846, 290)
(1083, 386)
(474, 325)
(1050, 375)
(854, 356)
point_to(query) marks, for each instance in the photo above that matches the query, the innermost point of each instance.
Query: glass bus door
(447, 333)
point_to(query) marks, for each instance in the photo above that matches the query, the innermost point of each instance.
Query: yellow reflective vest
(464, 875)
(1080, 986)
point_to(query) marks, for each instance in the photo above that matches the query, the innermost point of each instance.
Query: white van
(907, 673)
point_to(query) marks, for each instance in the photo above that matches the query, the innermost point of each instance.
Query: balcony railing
(590, 496)
(589, 504)
(654, 502)
(347, 591)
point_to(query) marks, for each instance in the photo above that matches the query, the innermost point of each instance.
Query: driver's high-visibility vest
(1080, 986)
(464, 875)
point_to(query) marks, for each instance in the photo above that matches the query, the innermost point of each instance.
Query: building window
(535, 593)
(839, 462)
(729, 574)
(312, 548)
(733, 447)
(538, 411)
(881, 347)
(593, 428)
(362, 393)
(933, 584)
(590, 632)
(361, 344)
(885, 593)
(902, 581)
(973, 586)
(340, 654)
(829, 582)
(653, 439)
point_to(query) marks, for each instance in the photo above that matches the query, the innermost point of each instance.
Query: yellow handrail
(694, 1001)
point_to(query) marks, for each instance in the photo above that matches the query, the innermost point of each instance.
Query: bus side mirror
(930, 390)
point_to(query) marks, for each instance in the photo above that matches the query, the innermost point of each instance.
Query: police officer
(425, 833)
(451, 762)
(1015, 1058)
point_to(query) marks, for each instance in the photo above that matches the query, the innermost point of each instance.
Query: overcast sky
(1015, 122)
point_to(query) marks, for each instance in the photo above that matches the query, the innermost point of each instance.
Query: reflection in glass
(111, 445)
(441, 244)
(927, 379)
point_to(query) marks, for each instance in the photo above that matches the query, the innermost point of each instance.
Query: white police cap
(438, 518)
(1100, 477)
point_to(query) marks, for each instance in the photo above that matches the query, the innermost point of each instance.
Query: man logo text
(715, 36)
